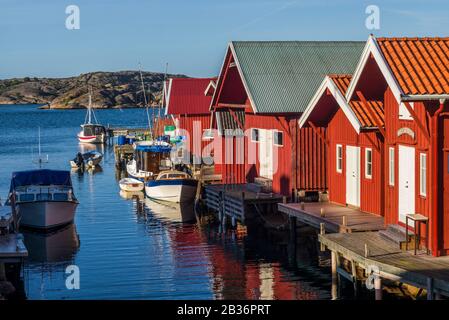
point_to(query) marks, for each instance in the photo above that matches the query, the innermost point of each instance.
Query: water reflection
(57, 246)
(173, 212)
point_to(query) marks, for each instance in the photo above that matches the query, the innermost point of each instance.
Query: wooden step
(396, 234)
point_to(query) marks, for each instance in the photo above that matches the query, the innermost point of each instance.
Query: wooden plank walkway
(394, 264)
(12, 248)
(238, 201)
(335, 218)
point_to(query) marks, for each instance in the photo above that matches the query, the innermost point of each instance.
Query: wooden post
(292, 240)
(366, 251)
(14, 212)
(302, 205)
(322, 232)
(354, 277)
(2, 272)
(344, 221)
(322, 214)
(430, 295)
(334, 275)
(378, 287)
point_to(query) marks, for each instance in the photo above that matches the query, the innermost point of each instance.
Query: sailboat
(92, 132)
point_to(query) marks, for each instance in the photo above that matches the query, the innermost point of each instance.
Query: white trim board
(372, 47)
(328, 83)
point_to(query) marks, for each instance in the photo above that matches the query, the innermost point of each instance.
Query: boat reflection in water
(128, 195)
(58, 246)
(170, 211)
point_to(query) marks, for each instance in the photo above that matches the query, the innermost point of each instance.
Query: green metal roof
(283, 76)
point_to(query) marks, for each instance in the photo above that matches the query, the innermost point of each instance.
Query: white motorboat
(44, 198)
(131, 169)
(131, 185)
(92, 132)
(172, 186)
(88, 159)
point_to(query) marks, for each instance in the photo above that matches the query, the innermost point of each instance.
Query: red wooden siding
(188, 123)
(340, 131)
(309, 157)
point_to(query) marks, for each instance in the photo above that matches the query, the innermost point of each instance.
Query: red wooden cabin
(187, 101)
(355, 146)
(411, 77)
(262, 90)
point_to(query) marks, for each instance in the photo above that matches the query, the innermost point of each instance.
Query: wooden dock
(384, 260)
(238, 201)
(334, 217)
(115, 132)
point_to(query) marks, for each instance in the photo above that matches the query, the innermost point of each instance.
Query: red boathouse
(411, 77)
(187, 101)
(355, 144)
(261, 92)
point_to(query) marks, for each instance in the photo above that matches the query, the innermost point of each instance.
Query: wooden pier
(335, 218)
(239, 202)
(382, 259)
(115, 132)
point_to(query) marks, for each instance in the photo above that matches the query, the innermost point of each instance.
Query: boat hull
(179, 191)
(91, 139)
(46, 214)
(131, 185)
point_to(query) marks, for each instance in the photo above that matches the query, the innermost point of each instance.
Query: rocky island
(120, 89)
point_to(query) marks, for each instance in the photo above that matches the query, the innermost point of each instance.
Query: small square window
(278, 138)
(368, 163)
(339, 158)
(255, 135)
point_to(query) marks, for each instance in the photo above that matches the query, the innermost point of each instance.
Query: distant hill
(120, 89)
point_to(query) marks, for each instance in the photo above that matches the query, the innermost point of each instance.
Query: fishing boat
(44, 198)
(173, 186)
(131, 185)
(88, 159)
(91, 132)
(149, 159)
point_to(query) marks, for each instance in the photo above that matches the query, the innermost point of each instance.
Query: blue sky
(191, 35)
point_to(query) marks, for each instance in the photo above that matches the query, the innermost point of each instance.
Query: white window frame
(423, 174)
(258, 135)
(391, 166)
(274, 143)
(339, 159)
(368, 176)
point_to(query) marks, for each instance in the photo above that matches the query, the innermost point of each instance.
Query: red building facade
(187, 102)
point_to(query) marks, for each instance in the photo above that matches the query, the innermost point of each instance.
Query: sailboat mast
(89, 108)
(144, 95)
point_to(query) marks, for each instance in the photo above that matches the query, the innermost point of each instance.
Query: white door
(266, 153)
(353, 176)
(406, 186)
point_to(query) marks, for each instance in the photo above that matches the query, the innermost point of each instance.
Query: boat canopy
(41, 177)
(153, 148)
(93, 129)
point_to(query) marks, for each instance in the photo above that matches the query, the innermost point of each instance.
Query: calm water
(131, 249)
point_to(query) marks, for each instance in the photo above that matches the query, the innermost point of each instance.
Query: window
(368, 163)
(403, 112)
(254, 135)
(278, 138)
(391, 166)
(339, 158)
(423, 174)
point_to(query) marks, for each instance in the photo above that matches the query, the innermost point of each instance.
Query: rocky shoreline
(120, 89)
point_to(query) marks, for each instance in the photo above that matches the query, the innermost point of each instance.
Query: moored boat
(44, 198)
(88, 159)
(91, 132)
(131, 185)
(172, 186)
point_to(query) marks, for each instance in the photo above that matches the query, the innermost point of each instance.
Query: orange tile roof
(420, 65)
(367, 119)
